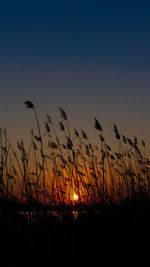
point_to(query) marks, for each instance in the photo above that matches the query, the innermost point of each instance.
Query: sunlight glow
(75, 197)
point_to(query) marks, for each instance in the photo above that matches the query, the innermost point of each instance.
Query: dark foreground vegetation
(66, 202)
(111, 236)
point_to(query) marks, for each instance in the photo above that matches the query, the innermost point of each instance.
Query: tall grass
(62, 162)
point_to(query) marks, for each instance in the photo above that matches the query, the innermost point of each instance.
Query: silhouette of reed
(61, 163)
(64, 196)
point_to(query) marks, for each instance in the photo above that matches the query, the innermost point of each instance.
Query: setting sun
(75, 197)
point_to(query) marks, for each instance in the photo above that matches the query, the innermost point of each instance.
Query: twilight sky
(89, 57)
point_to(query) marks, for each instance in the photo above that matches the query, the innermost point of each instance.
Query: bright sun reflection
(75, 197)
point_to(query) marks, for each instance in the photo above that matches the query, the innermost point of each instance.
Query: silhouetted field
(67, 202)
(112, 236)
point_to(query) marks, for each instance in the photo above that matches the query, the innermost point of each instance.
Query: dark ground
(117, 236)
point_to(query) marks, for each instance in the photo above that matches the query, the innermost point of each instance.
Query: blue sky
(90, 57)
(111, 32)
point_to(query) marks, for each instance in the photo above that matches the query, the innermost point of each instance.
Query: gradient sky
(90, 57)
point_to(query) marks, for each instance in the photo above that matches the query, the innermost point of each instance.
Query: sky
(89, 57)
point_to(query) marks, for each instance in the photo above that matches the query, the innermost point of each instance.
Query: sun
(75, 197)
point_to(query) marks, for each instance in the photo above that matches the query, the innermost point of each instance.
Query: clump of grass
(61, 163)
